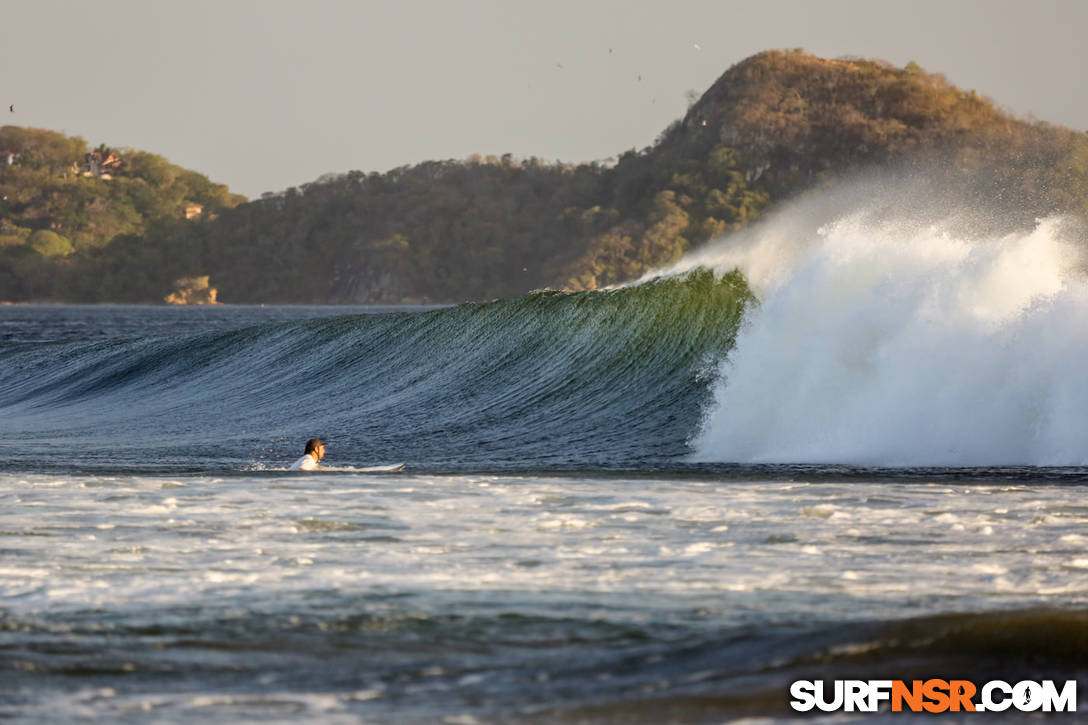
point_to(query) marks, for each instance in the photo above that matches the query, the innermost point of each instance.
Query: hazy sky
(266, 94)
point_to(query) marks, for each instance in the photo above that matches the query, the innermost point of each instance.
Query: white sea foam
(889, 339)
(715, 546)
(379, 554)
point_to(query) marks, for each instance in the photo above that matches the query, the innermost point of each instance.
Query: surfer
(315, 451)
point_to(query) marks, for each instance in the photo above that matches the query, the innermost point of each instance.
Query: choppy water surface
(407, 598)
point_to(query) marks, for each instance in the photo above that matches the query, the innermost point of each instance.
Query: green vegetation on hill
(772, 126)
(800, 120)
(61, 203)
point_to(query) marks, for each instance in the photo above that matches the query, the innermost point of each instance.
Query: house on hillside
(193, 210)
(9, 158)
(100, 166)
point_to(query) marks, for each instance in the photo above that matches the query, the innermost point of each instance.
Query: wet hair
(313, 443)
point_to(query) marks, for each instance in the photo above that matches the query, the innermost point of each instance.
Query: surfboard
(396, 468)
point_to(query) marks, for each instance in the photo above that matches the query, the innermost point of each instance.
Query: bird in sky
(11, 108)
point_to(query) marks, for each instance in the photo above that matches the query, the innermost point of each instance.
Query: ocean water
(831, 448)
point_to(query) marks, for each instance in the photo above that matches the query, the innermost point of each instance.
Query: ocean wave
(510, 666)
(590, 378)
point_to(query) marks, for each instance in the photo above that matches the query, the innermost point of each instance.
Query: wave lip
(890, 342)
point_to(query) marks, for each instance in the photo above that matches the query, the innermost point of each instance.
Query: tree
(49, 244)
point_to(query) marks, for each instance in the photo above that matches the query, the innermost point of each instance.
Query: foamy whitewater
(899, 342)
(861, 456)
(343, 598)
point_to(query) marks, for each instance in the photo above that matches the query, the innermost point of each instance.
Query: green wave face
(606, 378)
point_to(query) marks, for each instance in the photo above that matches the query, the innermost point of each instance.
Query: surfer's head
(316, 447)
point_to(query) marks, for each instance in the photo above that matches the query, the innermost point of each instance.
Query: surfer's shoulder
(306, 463)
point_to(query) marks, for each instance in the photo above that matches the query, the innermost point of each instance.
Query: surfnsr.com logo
(934, 696)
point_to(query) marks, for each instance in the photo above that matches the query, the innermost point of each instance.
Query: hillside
(772, 126)
(798, 120)
(60, 201)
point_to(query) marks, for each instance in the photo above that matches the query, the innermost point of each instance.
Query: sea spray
(892, 340)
